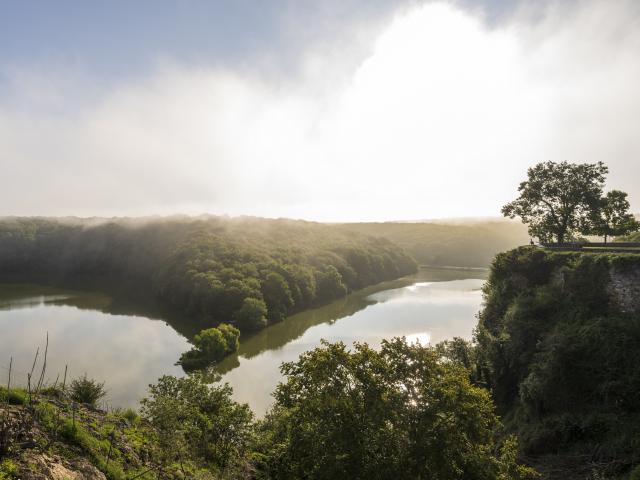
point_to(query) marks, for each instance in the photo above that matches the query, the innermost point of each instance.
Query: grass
(52, 419)
(15, 396)
(8, 469)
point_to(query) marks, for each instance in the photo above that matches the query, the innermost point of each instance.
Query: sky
(350, 110)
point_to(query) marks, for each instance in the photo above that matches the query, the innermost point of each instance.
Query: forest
(471, 243)
(212, 270)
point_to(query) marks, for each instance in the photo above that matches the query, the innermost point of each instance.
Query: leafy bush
(87, 390)
(15, 396)
(132, 416)
(8, 469)
(210, 346)
(198, 421)
(400, 413)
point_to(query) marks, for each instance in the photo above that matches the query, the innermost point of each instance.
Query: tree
(612, 218)
(558, 198)
(231, 336)
(252, 315)
(277, 296)
(401, 412)
(210, 346)
(87, 390)
(198, 422)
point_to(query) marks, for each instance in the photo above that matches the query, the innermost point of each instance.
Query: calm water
(131, 351)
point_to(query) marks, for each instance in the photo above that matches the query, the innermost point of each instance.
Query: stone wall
(624, 290)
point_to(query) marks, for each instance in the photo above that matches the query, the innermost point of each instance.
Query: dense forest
(462, 244)
(558, 346)
(245, 271)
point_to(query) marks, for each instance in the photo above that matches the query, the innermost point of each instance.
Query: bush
(14, 396)
(87, 390)
(210, 346)
(8, 469)
(401, 412)
(132, 416)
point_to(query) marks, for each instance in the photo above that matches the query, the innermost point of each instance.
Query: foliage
(210, 346)
(197, 421)
(612, 217)
(397, 413)
(559, 357)
(557, 199)
(458, 350)
(14, 396)
(131, 415)
(8, 469)
(252, 315)
(87, 390)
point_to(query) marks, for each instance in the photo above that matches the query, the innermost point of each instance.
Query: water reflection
(127, 351)
(119, 341)
(430, 307)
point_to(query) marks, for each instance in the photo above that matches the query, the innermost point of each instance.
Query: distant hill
(468, 243)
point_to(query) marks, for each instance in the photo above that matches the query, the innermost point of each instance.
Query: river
(129, 351)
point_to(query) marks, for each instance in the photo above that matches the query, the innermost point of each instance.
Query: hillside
(210, 269)
(468, 244)
(54, 439)
(558, 344)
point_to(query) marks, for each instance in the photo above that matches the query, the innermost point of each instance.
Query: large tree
(401, 412)
(612, 218)
(557, 199)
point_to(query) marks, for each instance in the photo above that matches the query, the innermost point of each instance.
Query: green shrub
(8, 469)
(132, 416)
(210, 346)
(87, 390)
(15, 396)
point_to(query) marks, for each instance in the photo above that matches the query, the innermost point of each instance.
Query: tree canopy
(401, 412)
(210, 346)
(612, 218)
(557, 199)
(204, 269)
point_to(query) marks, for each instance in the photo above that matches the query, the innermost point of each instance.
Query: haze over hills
(461, 243)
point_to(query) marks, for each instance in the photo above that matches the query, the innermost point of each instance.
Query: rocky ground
(54, 438)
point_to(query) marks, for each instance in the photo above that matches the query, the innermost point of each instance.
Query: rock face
(53, 467)
(624, 289)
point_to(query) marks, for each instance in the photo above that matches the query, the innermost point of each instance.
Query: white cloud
(440, 119)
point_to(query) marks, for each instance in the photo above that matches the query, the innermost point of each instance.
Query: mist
(433, 112)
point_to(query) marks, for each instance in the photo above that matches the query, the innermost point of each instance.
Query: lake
(92, 335)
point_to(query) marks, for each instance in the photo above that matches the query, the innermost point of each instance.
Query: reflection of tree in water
(293, 327)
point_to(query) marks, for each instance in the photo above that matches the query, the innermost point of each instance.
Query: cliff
(558, 343)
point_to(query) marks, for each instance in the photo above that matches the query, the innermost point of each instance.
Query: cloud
(438, 117)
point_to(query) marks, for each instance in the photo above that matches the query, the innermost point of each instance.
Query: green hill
(468, 244)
